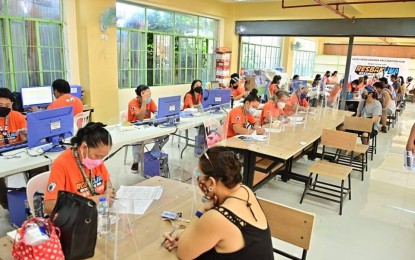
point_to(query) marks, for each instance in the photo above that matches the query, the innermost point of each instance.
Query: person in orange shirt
(274, 87)
(193, 98)
(138, 111)
(241, 117)
(334, 93)
(13, 128)
(298, 100)
(237, 90)
(274, 108)
(61, 91)
(81, 169)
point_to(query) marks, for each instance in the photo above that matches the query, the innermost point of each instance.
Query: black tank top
(258, 243)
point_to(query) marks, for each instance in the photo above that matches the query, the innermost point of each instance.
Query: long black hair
(93, 134)
(253, 96)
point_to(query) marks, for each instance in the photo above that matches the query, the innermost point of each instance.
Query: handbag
(76, 217)
(50, 249)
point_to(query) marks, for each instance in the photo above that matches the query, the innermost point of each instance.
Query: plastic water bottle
(103, 217)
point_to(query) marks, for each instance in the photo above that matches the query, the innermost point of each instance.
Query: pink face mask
(91, 163)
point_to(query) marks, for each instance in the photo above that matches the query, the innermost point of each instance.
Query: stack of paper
(135, 199)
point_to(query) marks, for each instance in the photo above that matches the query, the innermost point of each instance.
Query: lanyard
(4, 131)
(81, 168)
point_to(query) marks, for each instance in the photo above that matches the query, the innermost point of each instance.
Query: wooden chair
(290, 225)
(340, 141)
(359, 125)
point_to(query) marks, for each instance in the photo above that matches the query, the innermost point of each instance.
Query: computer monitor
(36, 96)
(168, 110)
(296, 84)
(50, 127)
(214, 99)
(76, 91)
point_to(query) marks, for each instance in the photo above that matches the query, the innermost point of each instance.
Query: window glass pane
(208, 27)
(160, 21)
(261, 52)
(2, 7)
(186, 25)
(130, 16)
(45, 9)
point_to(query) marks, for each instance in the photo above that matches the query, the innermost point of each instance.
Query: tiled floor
(378, 223)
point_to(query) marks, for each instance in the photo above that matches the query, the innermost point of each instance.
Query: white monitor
(36, 96)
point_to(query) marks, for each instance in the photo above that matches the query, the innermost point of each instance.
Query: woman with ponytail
(81, 169)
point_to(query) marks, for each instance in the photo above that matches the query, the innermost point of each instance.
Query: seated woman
(193, 98)
(237, 89)
(298, 100)
(241, 118)
(334, 93)
(274, 86)
(80, 170)
(231, 224)
(274, 108)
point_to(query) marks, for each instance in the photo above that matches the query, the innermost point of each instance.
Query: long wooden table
(284, 147)
(140, 236)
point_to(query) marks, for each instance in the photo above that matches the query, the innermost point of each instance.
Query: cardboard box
(223, 56)
(220, 72)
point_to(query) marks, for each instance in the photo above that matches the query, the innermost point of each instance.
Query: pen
(170, 234)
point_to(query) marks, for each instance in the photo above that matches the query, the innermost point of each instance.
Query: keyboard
(11, 147)
(142, 122)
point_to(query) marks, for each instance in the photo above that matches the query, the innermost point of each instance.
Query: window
(159, 47)
(31, 46)
(304, 53)
(263, 52)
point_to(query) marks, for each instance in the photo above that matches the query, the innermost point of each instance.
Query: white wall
(125, 95)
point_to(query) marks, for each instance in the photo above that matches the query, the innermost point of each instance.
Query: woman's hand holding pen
(171, 239)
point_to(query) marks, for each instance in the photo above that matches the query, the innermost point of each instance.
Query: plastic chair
(213, 132)
(80, 120)
(38, 182)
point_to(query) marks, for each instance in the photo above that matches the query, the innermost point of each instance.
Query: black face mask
(235, 87)
(4, 111)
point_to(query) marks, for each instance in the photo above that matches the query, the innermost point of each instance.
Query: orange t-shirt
(292, 101)
(135, 105)
(189, 100)
(16, 124)
(333, 93)
(359, 87)
(68, 100)
(236, 116)
(269, 110)
(66, 175)
(236, 92)
(272, 89)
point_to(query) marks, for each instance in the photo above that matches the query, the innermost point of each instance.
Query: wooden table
(284, 147)
(141, 238)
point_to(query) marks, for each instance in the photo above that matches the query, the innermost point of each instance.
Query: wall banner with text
(377, 66)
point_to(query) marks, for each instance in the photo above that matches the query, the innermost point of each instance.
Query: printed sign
(377, 66)
(218, 99)
(55, 125)
(172, 107)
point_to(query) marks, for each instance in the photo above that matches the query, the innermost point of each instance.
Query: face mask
(148, 101)
(91, 163)
(303, 95)
(281, 105)
(251, 110)
(235, 87)
(4, 111)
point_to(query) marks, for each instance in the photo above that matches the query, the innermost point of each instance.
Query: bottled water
(103, 217)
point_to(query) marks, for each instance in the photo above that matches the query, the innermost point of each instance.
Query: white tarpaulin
(377, 66)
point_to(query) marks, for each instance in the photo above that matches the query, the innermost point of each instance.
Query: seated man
(139, 108)
(370, 107)
(61, 91)
(12, 130)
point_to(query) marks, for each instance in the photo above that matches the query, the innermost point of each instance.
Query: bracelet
(198, 214)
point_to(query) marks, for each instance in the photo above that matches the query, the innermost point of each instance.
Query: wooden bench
(289, 225)
(337, 193)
